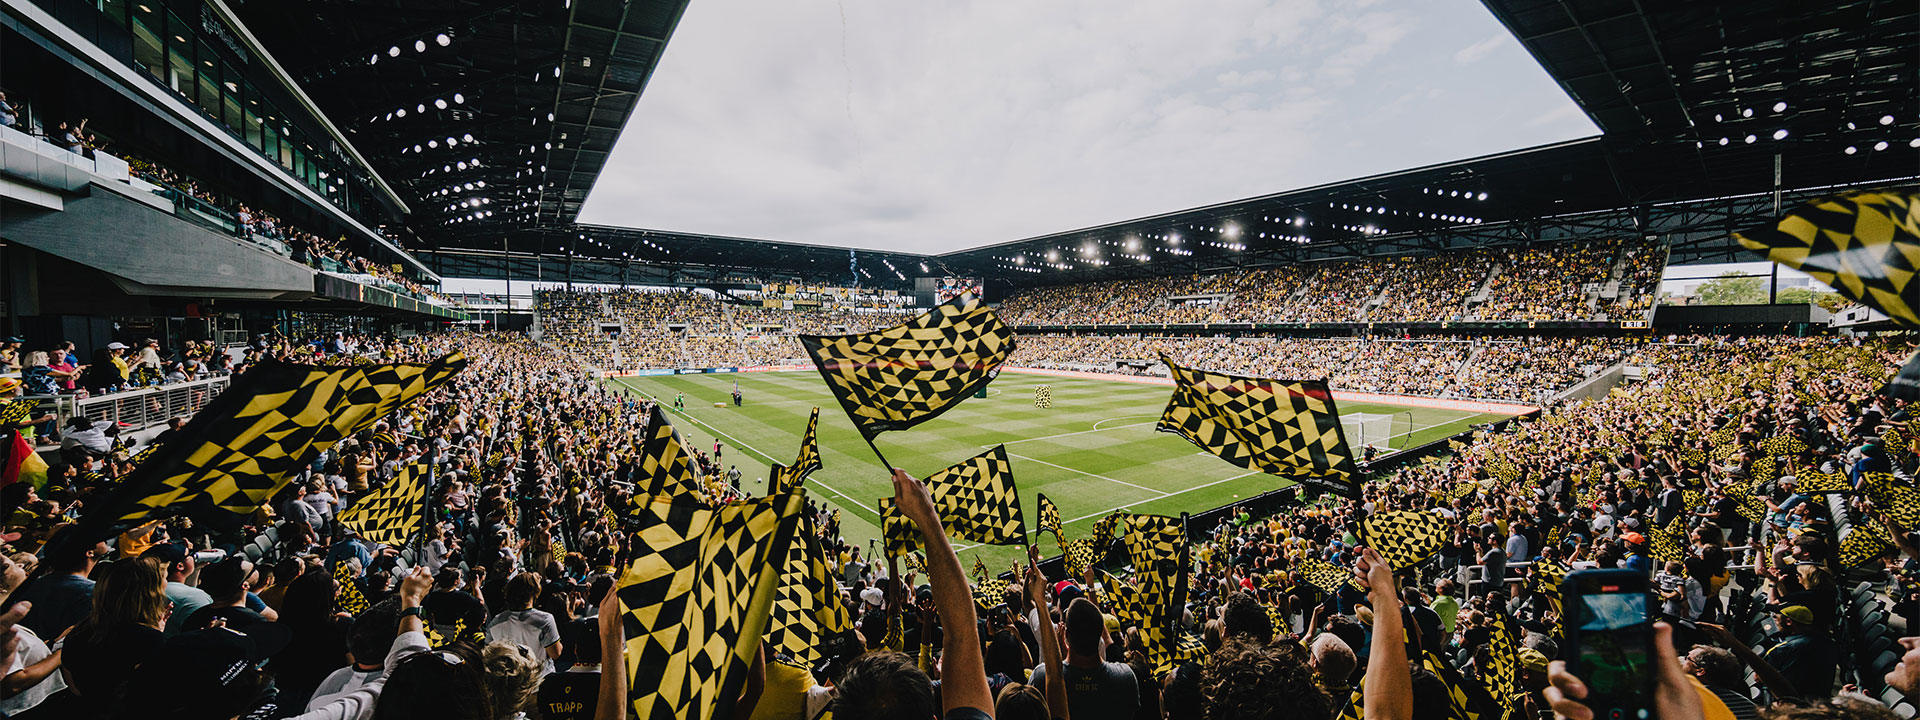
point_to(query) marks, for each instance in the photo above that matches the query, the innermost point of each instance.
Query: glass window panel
(253, 131)
(148, 51)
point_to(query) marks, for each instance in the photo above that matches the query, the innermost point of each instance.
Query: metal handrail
(143, 407)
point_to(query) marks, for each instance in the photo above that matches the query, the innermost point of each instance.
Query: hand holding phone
(1622, 665)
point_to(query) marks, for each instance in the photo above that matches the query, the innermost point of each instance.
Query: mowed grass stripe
(1096, 429)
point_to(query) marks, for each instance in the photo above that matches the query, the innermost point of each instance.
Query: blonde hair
(37, 357)
(513, 673)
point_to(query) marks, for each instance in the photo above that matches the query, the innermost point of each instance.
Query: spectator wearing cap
(1637, 558)
(368, 641)
(84, 433)
(176, 560)
(104, 374)
(117, 354)
(1803, 650)
(10, 353)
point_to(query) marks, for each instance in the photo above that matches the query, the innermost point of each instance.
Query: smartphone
(1610, 640)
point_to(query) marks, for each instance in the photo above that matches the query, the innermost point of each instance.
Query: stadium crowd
(661, 328)
(502, 609)
(1524, 369)
(1549, 282)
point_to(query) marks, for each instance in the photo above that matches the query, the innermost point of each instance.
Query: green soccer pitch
(1094, 452)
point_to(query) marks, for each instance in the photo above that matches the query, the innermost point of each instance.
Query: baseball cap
(1532, 659)
(173, 553)
(1799, 614)
(13, 339)
(1067, 592)
(8, 384)
(1634, 538)
(116, 346)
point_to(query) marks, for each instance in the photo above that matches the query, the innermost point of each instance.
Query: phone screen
(1613, 642)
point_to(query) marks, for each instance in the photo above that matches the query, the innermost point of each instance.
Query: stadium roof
(1699, 102)
(536, 93)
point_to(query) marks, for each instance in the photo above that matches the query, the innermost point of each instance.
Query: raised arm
(613, 661)
(1389, 686)
(1049, 637)
(963, 672)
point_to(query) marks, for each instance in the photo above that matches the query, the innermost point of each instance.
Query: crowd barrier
(142, 408)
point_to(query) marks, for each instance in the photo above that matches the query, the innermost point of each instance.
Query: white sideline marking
(1096, 425)
(855, 504)
(1082, 432)
(1088, 474)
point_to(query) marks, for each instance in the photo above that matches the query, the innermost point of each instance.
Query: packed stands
(642, 329)
(1559, 282)
(1526, 369)
(523, 538)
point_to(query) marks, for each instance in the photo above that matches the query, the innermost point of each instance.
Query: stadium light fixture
(1914, 143)
(459, 99)
(1746, 112)
(1780, 106)
(1483, 196)
(1723, 142)
(393, 51)
(1751, 139)
(1780, 134)
(375, 60)
(1882, 145)
(1886, 119)
(440, 103)
(402, 112)
(420, 46)
(443, 39)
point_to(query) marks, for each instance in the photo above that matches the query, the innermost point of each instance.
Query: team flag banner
(1157, 548)
(1865, 542)
(1668, 544)
(977, 500)
(899, 377)
(238, 450)
(1813, 482)
(1288, 428)
(807, 609)
(1078, 555)
(665, 466)
(1049, 516)
(697, 599)
(1891, 499)
(1502, 674)
(1404, 537)
(390, 515)
(1326, 576)
(900, 536)
(787, 478)
(347, 596)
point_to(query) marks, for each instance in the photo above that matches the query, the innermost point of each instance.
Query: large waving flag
(787, 478)
(976, 500)
(393, 513)
(238, 450)
(899, 377)
(665, 466)
(808, 609)
(1049, 516)
(1158, 550)
(698, 598)
(1404, 537)
(1862, 244)
(1288, 428)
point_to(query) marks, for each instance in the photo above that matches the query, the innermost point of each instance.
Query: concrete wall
(149, 252)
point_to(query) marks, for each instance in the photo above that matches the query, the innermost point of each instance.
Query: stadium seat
(252, 551)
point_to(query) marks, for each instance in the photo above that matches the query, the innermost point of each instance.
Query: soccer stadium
(1220, 360)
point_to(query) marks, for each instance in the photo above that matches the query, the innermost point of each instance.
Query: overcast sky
(931, 127)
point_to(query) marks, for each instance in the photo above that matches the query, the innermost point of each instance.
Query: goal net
(1385, 432)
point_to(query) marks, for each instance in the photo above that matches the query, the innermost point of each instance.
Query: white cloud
(950, 125)
(1473, 53)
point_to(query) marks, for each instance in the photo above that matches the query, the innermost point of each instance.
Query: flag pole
(876, 452)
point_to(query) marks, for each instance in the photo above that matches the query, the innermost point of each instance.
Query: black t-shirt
(450, 607)
(569, 695)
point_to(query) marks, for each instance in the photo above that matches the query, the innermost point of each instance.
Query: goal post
(1363, 429)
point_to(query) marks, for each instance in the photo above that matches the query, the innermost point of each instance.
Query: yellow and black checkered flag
(899, 377)
(1892, 500)
(1864, 542)
(900, 537)
(1285, 428)
(1862, 244)
(808, 609)
(1465, 700)
(1814, 482)
(787, 478)
(1078, 555)
(1049, 516)
(1668, 544)
(1404, 537)
(238, 450)
(347, 596)
(1157, 548)
(697, 599)
(1326, 576)
(1784, 445)
(977, 500)
(665, 467)
(390, 515)
(1501, 676)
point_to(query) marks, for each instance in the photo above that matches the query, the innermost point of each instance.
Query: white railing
(144, 407)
